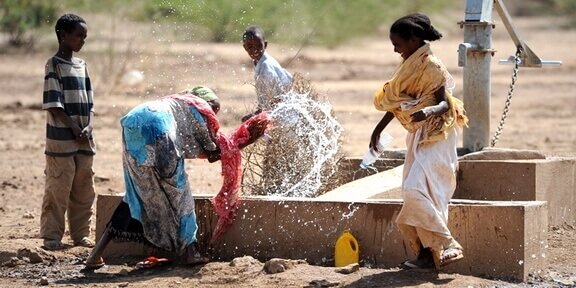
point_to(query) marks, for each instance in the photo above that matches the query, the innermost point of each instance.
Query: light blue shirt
(271, 80)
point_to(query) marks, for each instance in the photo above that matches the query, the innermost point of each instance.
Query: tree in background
(323, 22)
(19, 17)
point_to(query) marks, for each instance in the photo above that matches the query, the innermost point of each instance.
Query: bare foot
(194, 257)
(93, 264)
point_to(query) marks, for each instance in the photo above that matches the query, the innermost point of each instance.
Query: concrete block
(552, 180)
(383, 185)
(349, 168)
(302, 229)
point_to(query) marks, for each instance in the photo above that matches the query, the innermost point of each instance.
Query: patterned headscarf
(203, 92)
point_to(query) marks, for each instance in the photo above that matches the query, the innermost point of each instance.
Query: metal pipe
(477, 85)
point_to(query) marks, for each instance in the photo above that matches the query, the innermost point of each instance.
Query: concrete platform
(493, 179)
(382, 185)
(552, 180)
(349, 168)
(303, 229)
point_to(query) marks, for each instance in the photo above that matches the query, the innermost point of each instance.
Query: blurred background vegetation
(318, 22)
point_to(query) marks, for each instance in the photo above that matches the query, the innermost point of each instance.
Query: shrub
(18, 17)
(326, 22)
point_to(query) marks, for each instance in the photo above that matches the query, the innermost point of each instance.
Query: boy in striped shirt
(70, 148)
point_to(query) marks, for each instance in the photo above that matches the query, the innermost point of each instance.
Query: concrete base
(303, 229)
(383, 185)
(349, 168)
(552, 180)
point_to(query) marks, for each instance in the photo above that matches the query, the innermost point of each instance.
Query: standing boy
(70, 146)
(271, 79)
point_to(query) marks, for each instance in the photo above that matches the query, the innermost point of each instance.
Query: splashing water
(302, 149)
(351, 211)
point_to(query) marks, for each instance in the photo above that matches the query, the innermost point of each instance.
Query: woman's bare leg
(193, 256)
(95, 260)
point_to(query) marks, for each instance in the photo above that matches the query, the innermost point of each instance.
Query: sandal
(93, 265)
(85, 242)
(415, 264)
(450, 256)
(151, 262)
(53, 245)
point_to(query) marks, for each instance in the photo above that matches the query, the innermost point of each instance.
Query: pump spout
(463, 50)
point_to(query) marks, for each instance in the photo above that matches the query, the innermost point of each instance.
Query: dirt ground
(541, 118)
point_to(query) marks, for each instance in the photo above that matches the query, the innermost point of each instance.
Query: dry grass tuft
(290, 163)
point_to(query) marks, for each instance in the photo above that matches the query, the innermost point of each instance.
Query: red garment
(227, 200)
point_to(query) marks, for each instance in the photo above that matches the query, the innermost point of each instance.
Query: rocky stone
(123, 272)
(33, 256)
(322, 283)
(13, 262)
(277, 265)
(348, 269)
(43, 281)
(246, 261)
(5, 256)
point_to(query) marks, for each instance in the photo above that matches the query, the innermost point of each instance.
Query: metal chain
(517, 61)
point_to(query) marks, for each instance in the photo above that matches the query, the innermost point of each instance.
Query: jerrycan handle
(351, 240)
(346, 249)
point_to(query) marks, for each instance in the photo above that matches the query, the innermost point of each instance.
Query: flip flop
(409, 265)
(151, 262)
(450, 256)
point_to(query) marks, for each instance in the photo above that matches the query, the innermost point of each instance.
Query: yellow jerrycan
(346, 250)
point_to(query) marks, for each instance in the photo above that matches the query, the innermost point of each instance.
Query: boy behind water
(70, 147)
(271, 80)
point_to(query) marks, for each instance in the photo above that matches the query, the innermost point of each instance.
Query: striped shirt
(67, 86)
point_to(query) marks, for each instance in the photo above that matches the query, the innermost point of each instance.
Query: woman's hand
(213, 156)
(249, 115)
(246, 117)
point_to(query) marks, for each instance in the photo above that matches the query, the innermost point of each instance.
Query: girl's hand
(421, 115)
(375, 138)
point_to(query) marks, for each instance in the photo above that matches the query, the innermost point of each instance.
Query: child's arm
(434, 110)
(379, 128)
(62, 117)
(87, 131)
